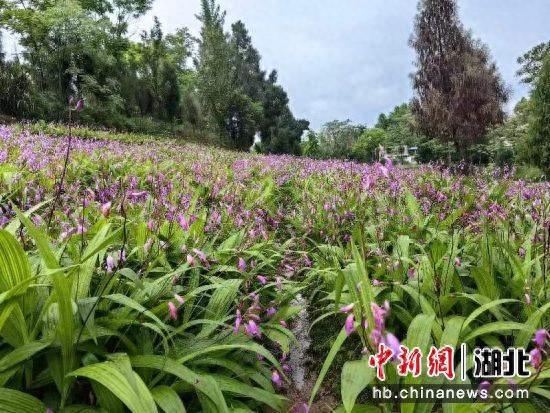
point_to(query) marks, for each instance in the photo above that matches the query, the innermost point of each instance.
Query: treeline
(457, 112)
(212, 85)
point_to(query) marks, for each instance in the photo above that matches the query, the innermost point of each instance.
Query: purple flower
(238, 321)
(172, 310)
(251, 329)
(200, 254)
(179, 298)
(536, 358)
(484, 385)
(79, 105)
(411, 272)
(184, 223)
(241, 265)
(347, 308)
(350, 324)
(262, 279)
(190, 260)
(394, 344)
(521, 252)
(271, 311)
(147, 246)
(110, 261)
(376, 282)
(458, 262)
(301, 408)
(540, 337)
(276, 378)
(106, 209)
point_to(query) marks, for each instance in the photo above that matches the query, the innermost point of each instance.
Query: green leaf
(229, 385)
(20, 354)
(126, 385)
(130, 303)
(501, 327)
(254, 347)
(356, 375)
(418, 335)
(530, 326)
(13, 401)
(167, 399)
(485, 307)
(204, 384)
(13, 226)
(327, 363)
(41, 240)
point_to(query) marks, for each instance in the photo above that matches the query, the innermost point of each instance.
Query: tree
(539, 133)
(459, 93)
(508, 142)
(214, 71)
(337, 138)
(400, 127)
(238, 99)
(222, 78)
(366, 147)
(310, 147)
(532, 62)
(285, 136)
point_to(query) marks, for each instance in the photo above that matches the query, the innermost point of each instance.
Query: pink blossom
(393, 343)
(350, 324)
(173, 310)
(238, 321)
(276, 378)
(376, 282)
(458, 262)
(541, 336)
(301, 408)
(283, 323)
(110, 263)
(484, 385)
(527, 299)
(190, 260)
(179, 298)
(251, 329)
(347, 308)
(147, 246)
(241, 265)
(262, 279)
(184, 223)
(106, 209)
(536, 358)
(200, 254)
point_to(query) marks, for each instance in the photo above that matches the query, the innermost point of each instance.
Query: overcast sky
(340, 59)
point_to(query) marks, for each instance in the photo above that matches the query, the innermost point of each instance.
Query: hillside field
(155, 276)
